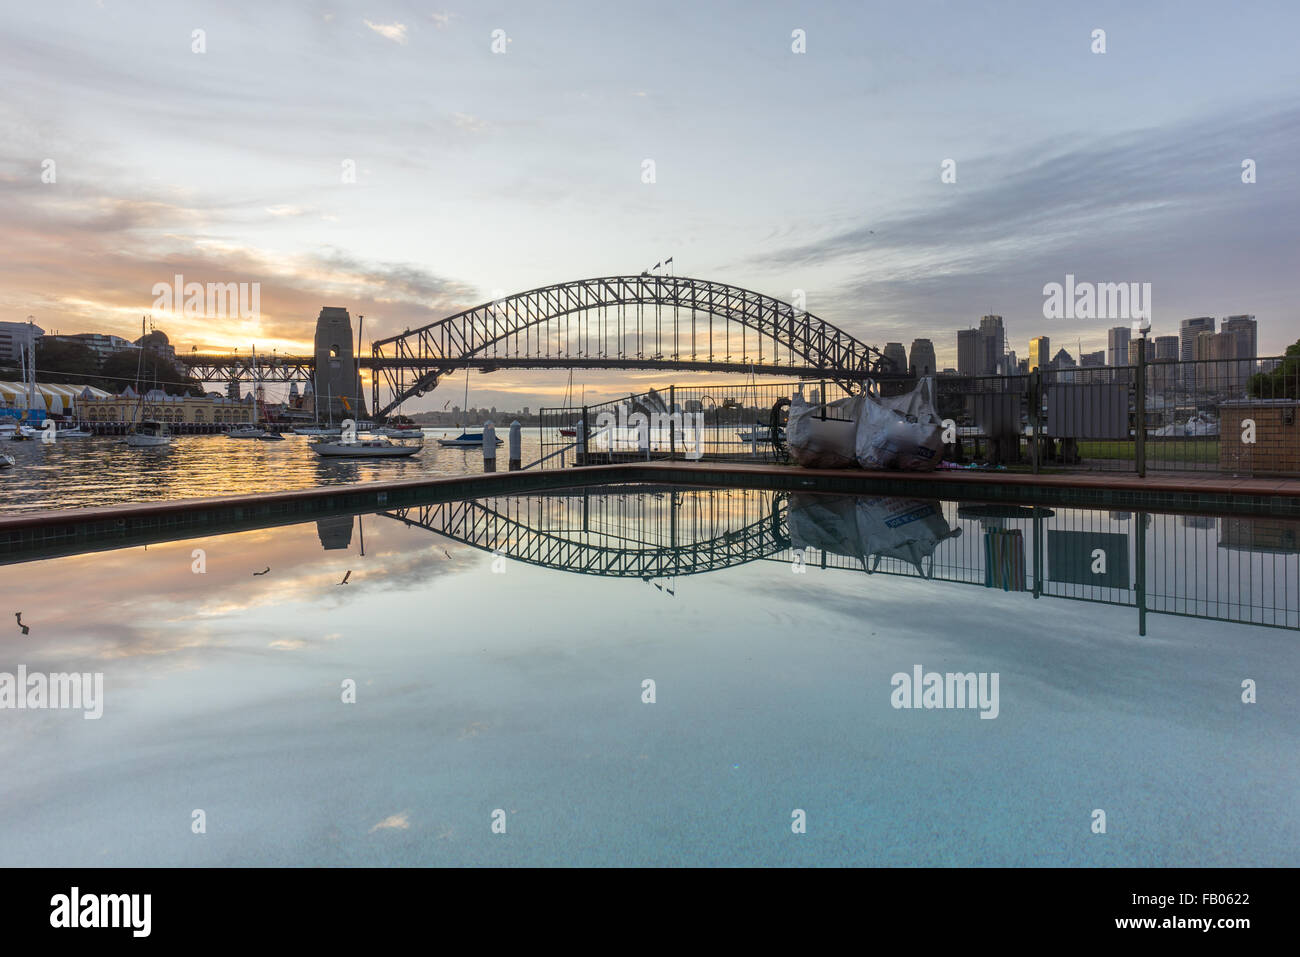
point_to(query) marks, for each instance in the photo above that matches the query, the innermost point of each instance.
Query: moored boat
(467, 440)
(148, 434)
(373, 448)
(246, 432)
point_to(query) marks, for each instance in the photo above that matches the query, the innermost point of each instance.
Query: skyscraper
(1246, 332)
(1117, 340)
(970, 349)
(921, 359)
(994, 343)
(1188, 330)
(1040, 353)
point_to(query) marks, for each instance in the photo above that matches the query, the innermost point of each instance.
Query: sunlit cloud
(389, 31)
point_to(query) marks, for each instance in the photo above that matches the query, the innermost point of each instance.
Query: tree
(58, 361)
(119, 371)
(1283, 382)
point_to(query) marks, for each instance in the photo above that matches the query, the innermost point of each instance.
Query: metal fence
(1230, 416)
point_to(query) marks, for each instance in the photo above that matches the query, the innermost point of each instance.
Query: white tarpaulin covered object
(824, 436)
(901, 432)
(870, 529)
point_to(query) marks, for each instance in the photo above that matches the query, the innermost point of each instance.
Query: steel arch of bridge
(487, 525)
(508, 332)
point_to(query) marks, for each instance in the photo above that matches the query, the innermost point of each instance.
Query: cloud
(396, 822)
(442, 19)
(471, 124)
(389, 31)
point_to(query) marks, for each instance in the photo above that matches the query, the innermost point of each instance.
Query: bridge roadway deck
(28, 536)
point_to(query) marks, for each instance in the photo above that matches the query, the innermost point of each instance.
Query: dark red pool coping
(29, 535)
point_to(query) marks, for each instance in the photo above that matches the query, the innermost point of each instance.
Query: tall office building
(1166, 348)
(1188, 330)
(896, 354)
(1216, 372)
(1117, 340)
(995, 343)
(1135, 350)
(1090, 359)
(1040, 353)
(1245, 330)
(921, 359)
(970, 352)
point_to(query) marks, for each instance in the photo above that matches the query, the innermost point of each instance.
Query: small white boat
(317, 430)
(467, 440)
(149, 434)
(76, 432)
(6, 461)
(271, 437)
(376, 448)
(759, 433)
(21, 433)
(246, 432)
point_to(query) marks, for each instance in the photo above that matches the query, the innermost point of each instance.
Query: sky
(128, 157)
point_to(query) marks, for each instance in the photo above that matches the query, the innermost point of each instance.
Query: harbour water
(500, 652)
(80, 473)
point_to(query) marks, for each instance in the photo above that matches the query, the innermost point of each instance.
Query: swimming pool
(654, 676)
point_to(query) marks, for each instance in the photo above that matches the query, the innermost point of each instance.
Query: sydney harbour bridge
(611, 322)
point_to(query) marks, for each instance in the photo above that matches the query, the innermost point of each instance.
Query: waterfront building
(173, 409)
(52, 399)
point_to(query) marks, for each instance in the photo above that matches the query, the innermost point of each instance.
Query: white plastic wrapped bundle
(901, 432)
(824, 436)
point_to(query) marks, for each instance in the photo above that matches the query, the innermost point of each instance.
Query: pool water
(500, 652)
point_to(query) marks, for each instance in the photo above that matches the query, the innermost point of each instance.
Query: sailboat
(317, 428)
(570, 431)
(146, 433)
(19, 431)
(467, 439)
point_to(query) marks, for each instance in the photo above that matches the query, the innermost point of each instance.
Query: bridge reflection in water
(1232, 569)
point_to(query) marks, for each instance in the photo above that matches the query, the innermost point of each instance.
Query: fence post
(580, 457)
(1036, 396)
(1140, 404)
(672, 430)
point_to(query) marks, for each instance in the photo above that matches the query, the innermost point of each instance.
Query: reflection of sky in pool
(522, 691)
